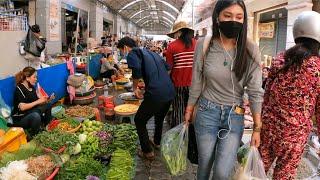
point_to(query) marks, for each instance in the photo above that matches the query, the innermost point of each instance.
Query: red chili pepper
(53, 124)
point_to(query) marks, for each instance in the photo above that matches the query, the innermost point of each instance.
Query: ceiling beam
(161, 1)
(160, 21)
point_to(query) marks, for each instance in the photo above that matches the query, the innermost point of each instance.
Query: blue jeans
(217, 153)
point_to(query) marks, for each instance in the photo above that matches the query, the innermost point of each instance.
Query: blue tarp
(52, 79)
(94, 66)
(7, 88)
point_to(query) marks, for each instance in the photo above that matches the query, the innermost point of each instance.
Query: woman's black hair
(186, 37)
(108, 55)
(241, 62)
(304, 49)
(35, 28)
(126, 41)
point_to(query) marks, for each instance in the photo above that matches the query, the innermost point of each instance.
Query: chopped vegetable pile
(79, 111)
(41, 166)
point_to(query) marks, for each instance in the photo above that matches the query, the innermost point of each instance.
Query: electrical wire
(228, 130)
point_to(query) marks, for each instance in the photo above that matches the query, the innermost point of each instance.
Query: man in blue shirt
(159, 91)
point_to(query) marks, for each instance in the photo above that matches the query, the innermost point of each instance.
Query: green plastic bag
(174, 149)
(3, 124)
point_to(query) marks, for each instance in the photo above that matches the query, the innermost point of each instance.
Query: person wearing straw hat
(179, 56)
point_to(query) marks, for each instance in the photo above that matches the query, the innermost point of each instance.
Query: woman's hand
(255, 139)
(257, 126)
(52, 97)
(138, 93)
(188, 114)
(42, 100)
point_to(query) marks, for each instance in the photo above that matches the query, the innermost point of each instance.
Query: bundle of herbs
(56, 139)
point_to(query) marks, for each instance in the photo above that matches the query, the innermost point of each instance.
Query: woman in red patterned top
(291, 98)
(179, 56)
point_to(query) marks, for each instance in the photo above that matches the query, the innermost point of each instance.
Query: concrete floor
(156, 170)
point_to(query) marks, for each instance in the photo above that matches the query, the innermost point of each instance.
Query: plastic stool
(131, 117)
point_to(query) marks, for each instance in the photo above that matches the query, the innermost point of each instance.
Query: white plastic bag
(5, 110)
(253, 168)
(174, 149)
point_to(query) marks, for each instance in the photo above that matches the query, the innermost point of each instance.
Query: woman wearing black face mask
(223, 65)
(30, 111)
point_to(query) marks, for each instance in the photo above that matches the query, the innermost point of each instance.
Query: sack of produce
(174, 149)
(76, 80)
(252, 167)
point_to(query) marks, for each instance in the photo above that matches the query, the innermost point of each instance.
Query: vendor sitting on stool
(30, 111)
(110, 69)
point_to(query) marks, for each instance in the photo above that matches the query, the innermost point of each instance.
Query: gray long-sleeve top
(217, 81)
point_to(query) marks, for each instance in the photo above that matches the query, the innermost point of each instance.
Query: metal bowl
(90, 92)
(85, 100)
(128, 96)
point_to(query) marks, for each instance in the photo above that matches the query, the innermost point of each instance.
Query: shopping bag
(3, 124)
(5, 110)
(192, 145)
(174, 149)
(252, 167)
(33, 44)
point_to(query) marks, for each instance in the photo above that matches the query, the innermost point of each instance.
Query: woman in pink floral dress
(291, 98)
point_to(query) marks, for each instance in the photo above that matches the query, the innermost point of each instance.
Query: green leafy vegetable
(80, 168)
(90, 148)
(72, 122)
(124, 137)
(242, 154)
(121, 166)
(56, 139)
